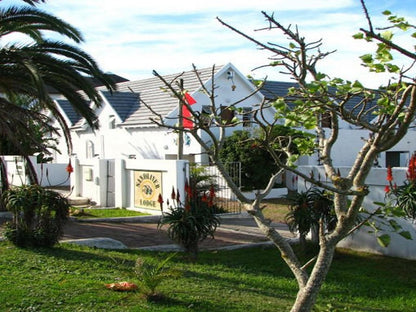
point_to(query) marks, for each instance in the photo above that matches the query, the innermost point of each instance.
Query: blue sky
(131, 37)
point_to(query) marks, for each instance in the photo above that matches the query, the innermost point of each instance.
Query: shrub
(404, 195)
(191, 222)
(242, 147)
(38, 215)
(152, 274)
(249, 148)
(307, 209)
(201, 182)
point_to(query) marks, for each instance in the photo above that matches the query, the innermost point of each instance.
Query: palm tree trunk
(31, 172)
(4, 183)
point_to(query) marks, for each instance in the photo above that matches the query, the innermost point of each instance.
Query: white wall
(89, 179)
(49, 175)
(365, 239)
(349, 143)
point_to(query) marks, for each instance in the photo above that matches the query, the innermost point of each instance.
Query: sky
(132, 38)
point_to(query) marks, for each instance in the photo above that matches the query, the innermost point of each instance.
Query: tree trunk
(31, 172)
(4, 183)
(306, 297)
(192, 250)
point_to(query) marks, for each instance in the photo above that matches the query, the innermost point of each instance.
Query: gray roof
(69, 111)
(127, 101)
(124, 103)
(274, 89)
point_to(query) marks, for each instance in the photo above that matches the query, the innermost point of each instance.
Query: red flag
(187, 123)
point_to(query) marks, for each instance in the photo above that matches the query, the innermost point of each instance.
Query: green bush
(38, 215)
(406, 198)
(191, 223)
(307, 209)
(257, 164)
(242, 147)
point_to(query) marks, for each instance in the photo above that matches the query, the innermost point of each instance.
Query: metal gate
(225, 200)
(110, 200)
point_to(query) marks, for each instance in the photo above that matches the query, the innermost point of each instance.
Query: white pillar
(120, 183)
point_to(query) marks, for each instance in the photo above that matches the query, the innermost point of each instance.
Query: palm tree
(28, 68)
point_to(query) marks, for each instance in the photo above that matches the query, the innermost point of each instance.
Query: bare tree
(318, 96)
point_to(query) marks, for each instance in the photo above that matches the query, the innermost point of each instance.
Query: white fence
(376, 181)
(49, 175)
(365, 239)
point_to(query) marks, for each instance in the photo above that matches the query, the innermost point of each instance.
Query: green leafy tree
(249, 148)
(385, 113)
(242, 147)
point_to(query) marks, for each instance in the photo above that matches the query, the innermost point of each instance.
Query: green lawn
(84, 213)
(72, 278)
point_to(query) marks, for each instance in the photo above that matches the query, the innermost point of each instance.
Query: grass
(276, 209)
(84, 213)
(72, 278)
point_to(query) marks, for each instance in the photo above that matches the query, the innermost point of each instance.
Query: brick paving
(136, 235)
(142, 232)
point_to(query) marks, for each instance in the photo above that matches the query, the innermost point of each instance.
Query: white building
(127, 131)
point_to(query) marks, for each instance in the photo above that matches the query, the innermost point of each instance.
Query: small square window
(206, 115)
(227, 115)
(247, 116)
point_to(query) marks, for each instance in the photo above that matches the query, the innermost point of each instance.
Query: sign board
(147, 187)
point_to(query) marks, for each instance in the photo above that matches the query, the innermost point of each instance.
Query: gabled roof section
(124, 103)
(274, 89)
(69, 111)
(152, 91)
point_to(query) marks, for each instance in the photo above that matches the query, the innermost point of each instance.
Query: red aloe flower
(173, 194)
(387, 189)
(69, 168)
(186, 186)
(204, 198)
(411, 171)
(160, 201)
(212, 191)
(187, 206)
(188, 189)
(178, 196)
(389, 174)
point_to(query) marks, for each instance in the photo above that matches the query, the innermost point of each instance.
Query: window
(206, 115)
(111, 122)
(247, 116)
(89, 149)
(397, 159)
(227, 115)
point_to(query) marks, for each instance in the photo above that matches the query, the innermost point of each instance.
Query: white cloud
(131, 37)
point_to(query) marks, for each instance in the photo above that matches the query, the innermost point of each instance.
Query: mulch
(136, 235)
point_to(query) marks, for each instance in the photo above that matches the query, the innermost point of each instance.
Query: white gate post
(76, 177)
(120, 183)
